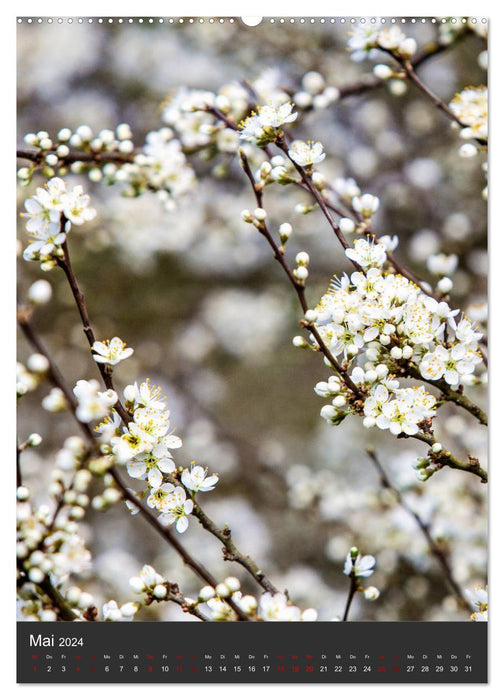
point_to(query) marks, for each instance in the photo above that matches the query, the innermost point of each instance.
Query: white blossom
(111, 352)
(470, 106)
(367, 253)
(197, 480)
(92, 404)
(361, 567)
(175, 508)
(306, 153)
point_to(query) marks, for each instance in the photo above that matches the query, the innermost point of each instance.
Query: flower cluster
(392, 39)
(49, 545)
(470, 106)
(159, 166)
(398, 331)
(112, 612)
(50, 213)
(185, 110)
(189, 113)
(271, 607)
(148, 582)
(173, 504)
(478, 598)
(92, 404)
(144, 446)
(264, 126)
(145, 443)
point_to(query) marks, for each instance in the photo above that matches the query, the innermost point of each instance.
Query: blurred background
(196, 293)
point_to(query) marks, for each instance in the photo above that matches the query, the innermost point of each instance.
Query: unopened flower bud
(382, 71)
(85, 132)
(328, 412)
(260, 214)
(232, 583)
(346, 225)
(407, 47)
(73, 595)
(248, 604)
(64, 134)
(299, 342)
(22, 493)
(468, 150)
(445, 285)
(37, 363)
(371, 593)
(222, 590)
(86, 601)
(301, 273)
(339, 401)
(40, 292)
(159, 591)
(370, 376)
(128, 609)
(123, 132)
(34, 440)
(36, 575)
(112, 495)
(302, 258)
(206, 593)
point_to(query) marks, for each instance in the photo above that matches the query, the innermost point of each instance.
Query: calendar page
(252, 350)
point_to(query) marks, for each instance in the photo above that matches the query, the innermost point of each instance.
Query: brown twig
(105, 370)
(262, 227)
(57, 379)
(352, 591)
(434, 548)
(446, 458)
(64, 611)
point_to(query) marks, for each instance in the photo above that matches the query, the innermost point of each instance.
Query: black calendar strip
(179, 652)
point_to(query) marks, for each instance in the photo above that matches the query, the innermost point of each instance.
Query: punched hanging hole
(251, 21)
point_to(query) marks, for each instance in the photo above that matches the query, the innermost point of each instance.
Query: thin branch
(231, 551)
(64, 611)
(58, 381)
(351, 593)
(173, 595)
(93, 157)
(53, 373)
(105, 370)
(450, 395)
(371, 82)
(300, 291)
(434, 548)
(19, 478)
(280, 142)
(445, 458)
